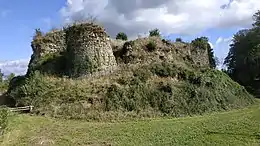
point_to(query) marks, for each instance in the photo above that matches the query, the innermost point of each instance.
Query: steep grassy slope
(157, 89)
(238, 127)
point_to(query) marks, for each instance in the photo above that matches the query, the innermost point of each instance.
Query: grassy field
(238, 127)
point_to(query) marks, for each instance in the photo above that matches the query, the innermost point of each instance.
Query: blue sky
(187, 19)
(18, 20)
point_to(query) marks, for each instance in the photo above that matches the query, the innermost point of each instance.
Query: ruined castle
(85, 48)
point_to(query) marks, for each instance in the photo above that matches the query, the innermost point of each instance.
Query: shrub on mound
(158, 89)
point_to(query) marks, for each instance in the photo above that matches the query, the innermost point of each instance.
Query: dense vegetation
(5, 82)
(155, 79)
(145, 84)
(244, 57)
(158, 89)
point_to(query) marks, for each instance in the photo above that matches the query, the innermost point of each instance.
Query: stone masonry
(87, 46)
(90, 50)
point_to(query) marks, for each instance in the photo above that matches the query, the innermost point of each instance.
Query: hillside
(238, 127)
(80, 73)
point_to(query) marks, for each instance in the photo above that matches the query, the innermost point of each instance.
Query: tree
(1, 76)
(201, 42)
(121, 36)
(256, 18)
(154, 32)
(10, 77)
(178, 40)
(243, 59)
(212, 59)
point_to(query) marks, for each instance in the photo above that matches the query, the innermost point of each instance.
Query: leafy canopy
(121, 36)
(243, 58)
(154, 32)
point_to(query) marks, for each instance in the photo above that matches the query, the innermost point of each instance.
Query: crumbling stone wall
(89, 49)
(52, 42)
(44, 46)
(135, 52)
(200, 56)
(77, 50)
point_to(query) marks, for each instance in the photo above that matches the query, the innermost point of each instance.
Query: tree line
(243, 59)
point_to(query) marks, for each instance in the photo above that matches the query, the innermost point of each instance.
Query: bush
(143, 74)
(178, 40)
(151, 46)
(201, 42)
(121, 36)
(154, 32)
(3, 119)
(164, 69)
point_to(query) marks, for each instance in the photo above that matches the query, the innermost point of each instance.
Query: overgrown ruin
(85, 48)
(79, 72)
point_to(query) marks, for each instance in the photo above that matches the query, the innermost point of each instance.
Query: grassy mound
(238, 127)
(156, 89)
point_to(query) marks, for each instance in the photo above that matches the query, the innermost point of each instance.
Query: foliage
(1, 76)
(2, 85)
(10, 77)
(178, 40)
(3, 119)
(121, 36)
(150, 88)
(154, 32)
(38, 33)
(196, 93)
(5, 82)
(256, 18)
(151, 46)
(243, 58)
(201, 42)
(212, 59)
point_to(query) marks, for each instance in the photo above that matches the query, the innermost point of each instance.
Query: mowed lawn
(238, 128)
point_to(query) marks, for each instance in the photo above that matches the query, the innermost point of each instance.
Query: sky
(218, 20)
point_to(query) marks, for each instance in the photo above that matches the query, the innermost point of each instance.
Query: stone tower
(88, 49)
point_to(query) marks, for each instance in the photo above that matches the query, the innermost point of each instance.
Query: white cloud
(19, 67)
(223, 40)
(221, 49)
(211, 45)
(170, 16)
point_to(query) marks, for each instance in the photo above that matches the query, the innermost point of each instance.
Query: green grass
(237, 127)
